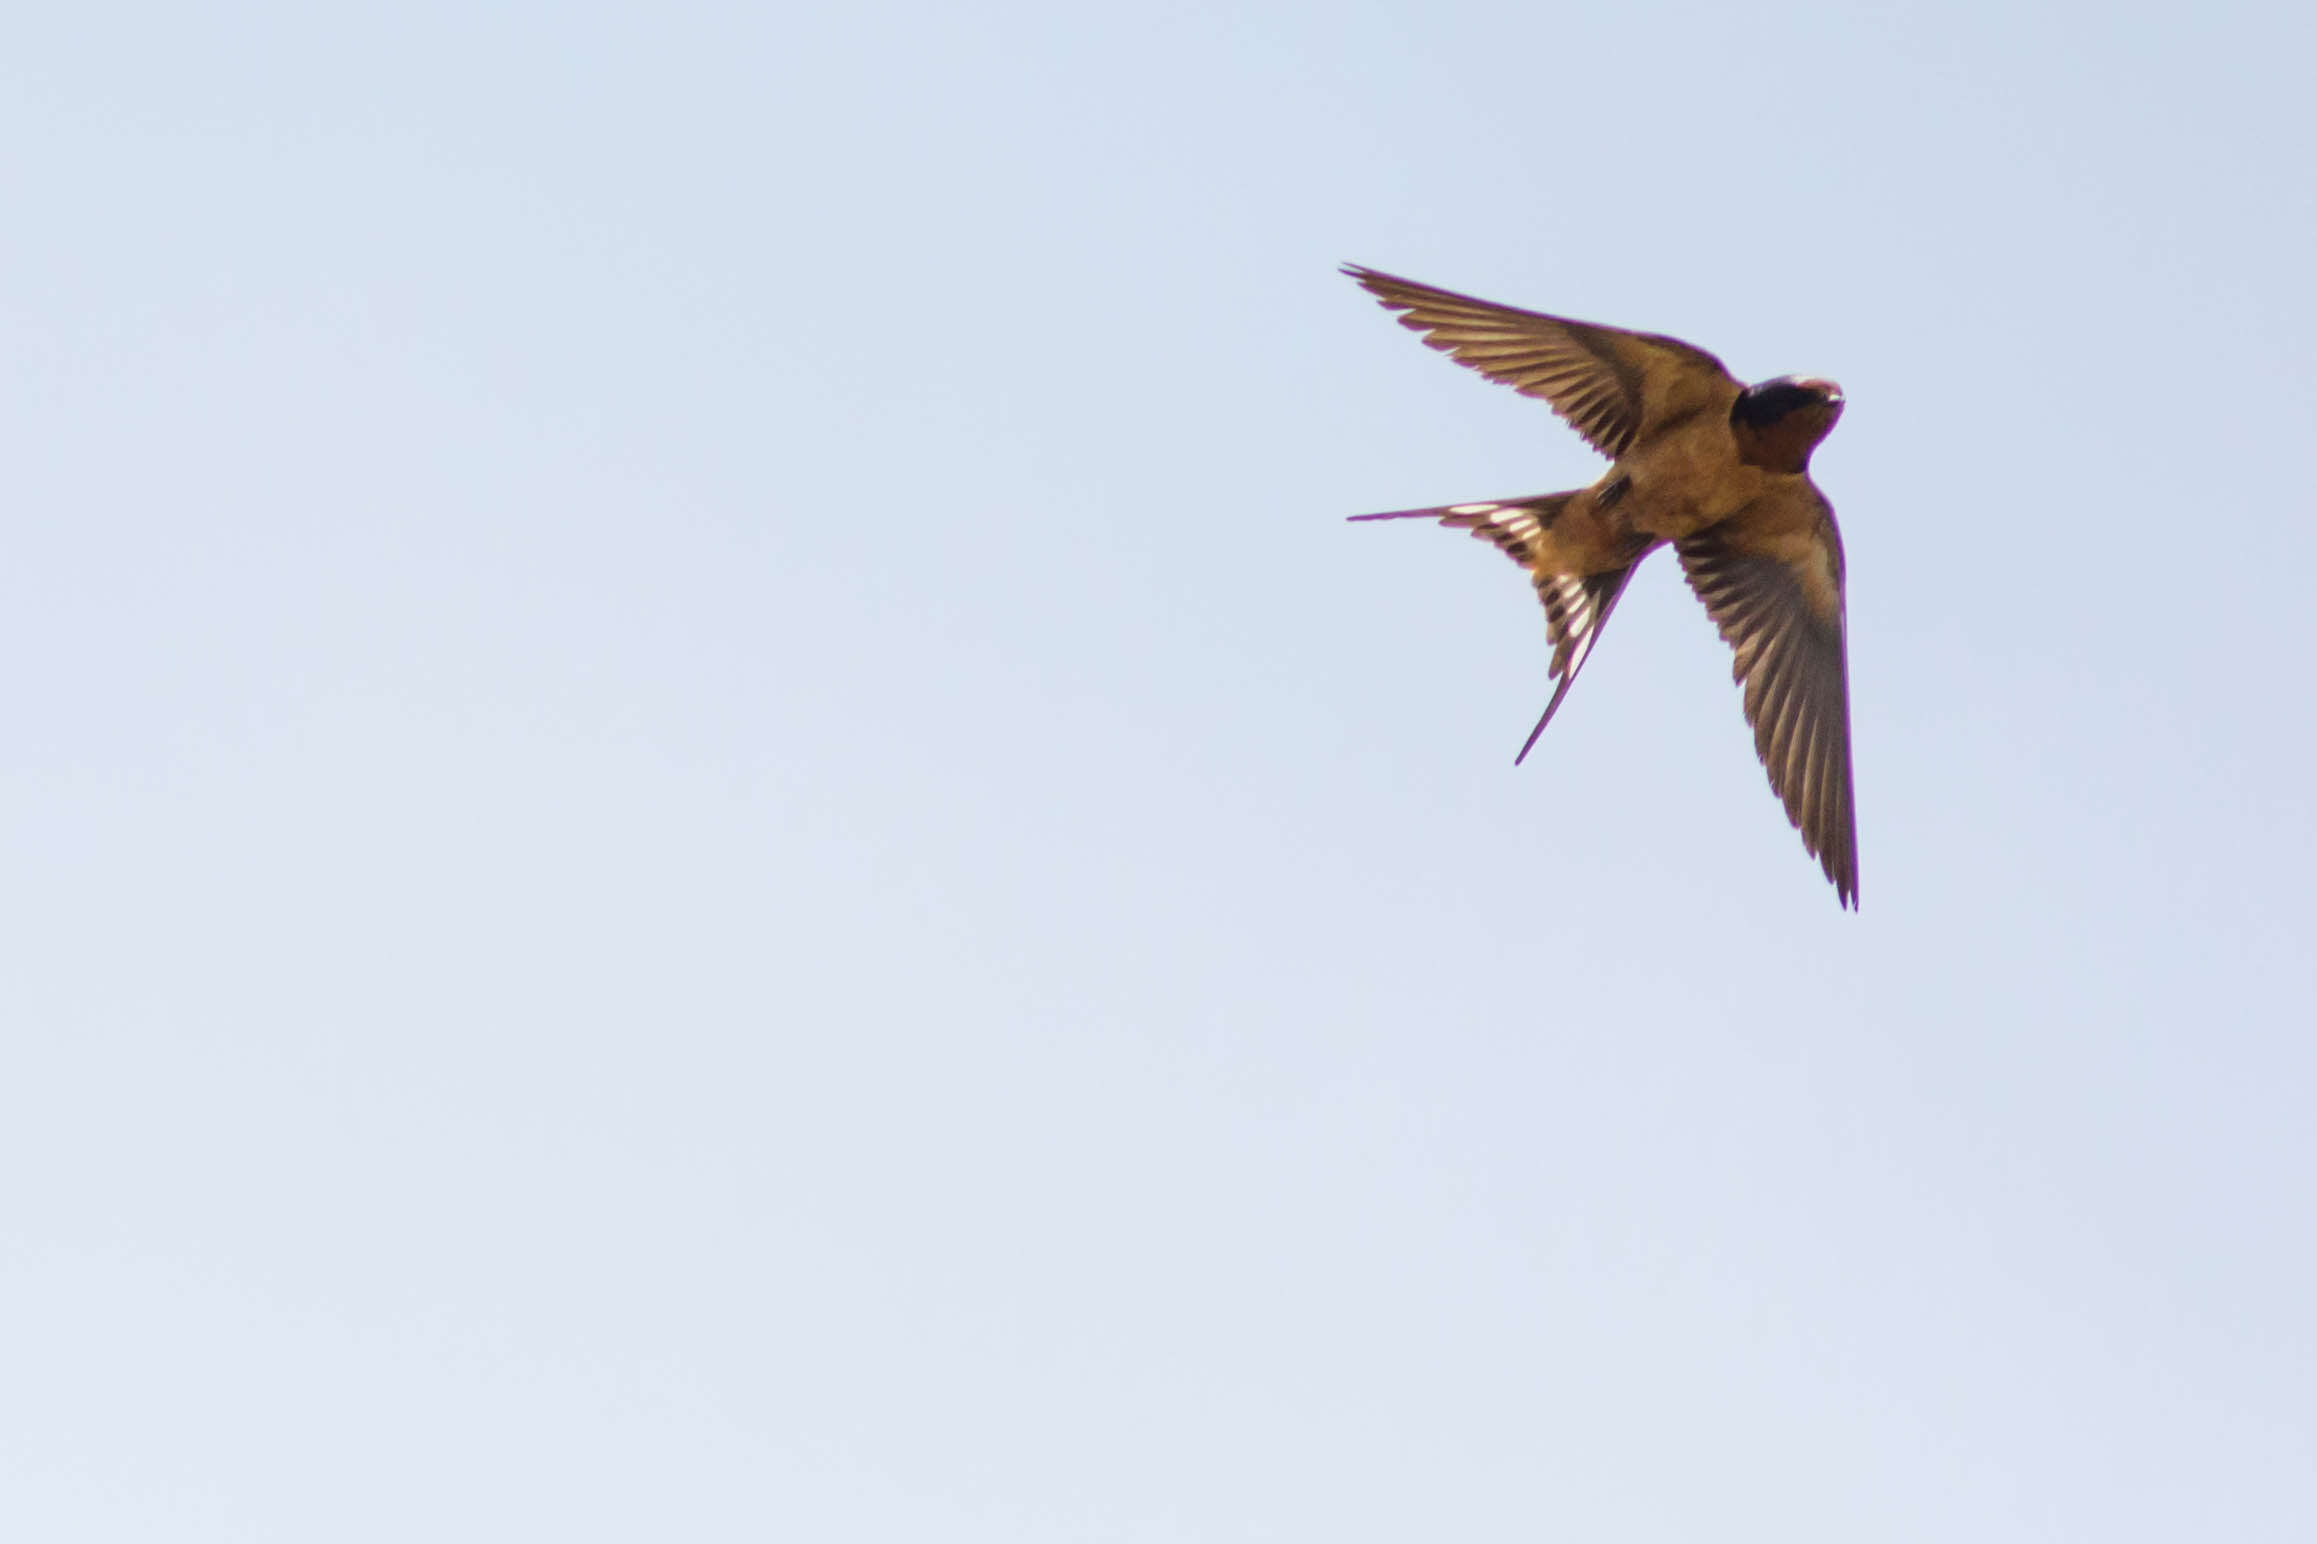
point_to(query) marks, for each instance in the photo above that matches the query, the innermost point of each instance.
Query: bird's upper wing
(1613, 386)
(1771, 577)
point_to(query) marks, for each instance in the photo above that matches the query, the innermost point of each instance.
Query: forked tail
(1513, 524)
(1577, 606)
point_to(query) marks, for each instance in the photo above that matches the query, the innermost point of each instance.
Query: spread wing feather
(1614, 387)
(1771, 578)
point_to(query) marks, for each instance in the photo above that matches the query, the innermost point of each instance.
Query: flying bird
(1718, 469)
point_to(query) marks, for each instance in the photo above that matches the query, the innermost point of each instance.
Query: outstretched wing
(1614, 387)
(1771, 577)
(1577, 606)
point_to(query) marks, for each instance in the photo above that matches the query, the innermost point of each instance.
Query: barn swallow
(1718, 469)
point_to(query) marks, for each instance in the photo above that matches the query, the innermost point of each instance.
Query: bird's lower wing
(1771, 577)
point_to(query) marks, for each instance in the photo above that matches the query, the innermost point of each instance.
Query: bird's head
(1778, 423)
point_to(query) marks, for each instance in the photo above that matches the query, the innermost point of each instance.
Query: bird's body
(1716, 469)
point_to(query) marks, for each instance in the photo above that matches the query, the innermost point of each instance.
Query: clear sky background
(708, 832)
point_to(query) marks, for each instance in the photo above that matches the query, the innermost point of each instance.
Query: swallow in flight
(1719, 469)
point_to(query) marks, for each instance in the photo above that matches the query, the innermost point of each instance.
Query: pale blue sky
(710, 833)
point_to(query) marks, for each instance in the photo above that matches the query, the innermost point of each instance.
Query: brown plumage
(1719, 470)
